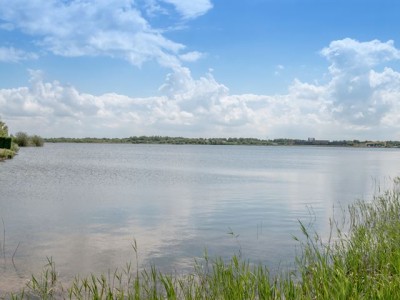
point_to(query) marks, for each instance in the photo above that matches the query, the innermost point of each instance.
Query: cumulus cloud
(10, 54)
(354, 96)
(355, 102)
(198, 105)
(350, 54)
(98, 28)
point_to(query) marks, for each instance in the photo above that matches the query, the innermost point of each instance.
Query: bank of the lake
(361, 262)
(6, 154)
(10, 148)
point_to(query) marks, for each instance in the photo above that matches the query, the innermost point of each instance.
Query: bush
(3, 129)
(37, 141)
(21, 139)
(14, 147)
(6, 154)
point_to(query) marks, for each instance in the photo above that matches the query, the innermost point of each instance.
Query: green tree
(3, 129)
(22, 139)
(37, 141)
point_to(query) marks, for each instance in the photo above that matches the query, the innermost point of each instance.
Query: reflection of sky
(85, 210)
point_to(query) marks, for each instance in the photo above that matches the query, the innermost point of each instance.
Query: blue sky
(201, 68)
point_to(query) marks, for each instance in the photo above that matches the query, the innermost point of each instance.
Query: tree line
(224, 141)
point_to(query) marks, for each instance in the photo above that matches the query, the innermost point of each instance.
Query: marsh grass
(361, 262)
(6, 154)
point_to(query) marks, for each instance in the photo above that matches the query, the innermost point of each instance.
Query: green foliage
(7, 147)
(6, 154)
(5, 142)
(14, 147)
(45, 286)
(3, 129)
(36, 141)
(21, 139)
(363, 262)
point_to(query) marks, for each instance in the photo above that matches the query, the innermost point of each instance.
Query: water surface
(85, 204)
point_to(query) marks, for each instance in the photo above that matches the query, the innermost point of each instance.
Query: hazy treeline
(164, 140)
(223, 141)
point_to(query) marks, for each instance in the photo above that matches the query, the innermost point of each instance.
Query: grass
(361, 262)
(6, 154)
(9, 153)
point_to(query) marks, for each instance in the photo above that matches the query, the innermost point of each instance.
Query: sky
(328, 69)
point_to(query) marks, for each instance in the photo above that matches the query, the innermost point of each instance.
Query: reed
(6, 154)
(362, 262)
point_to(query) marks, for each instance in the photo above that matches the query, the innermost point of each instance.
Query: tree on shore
(37, 141)
(22, 139)
(3, 129)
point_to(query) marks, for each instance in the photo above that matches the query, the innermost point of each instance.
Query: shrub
(21, 139)
(6, 154)
(3, 129)
(37, 141)
(14, 147)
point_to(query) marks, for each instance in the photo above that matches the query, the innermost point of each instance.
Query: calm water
(83, 204)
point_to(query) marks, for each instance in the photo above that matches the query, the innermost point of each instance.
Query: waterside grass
(361, 262)
(6, 154)
(9, 153)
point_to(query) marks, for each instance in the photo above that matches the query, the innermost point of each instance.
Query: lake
(85, 204)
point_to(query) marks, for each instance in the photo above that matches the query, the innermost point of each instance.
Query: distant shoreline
(227, 141)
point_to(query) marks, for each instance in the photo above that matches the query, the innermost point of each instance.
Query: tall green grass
(361, 262)
(6, 154)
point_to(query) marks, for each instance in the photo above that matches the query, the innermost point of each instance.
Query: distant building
(313, 141)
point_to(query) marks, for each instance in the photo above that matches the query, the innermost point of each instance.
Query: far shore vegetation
(359, 260)
(9, 144)
(227, 141)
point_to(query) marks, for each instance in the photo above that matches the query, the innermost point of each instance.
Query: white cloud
(388, 79)
(356, 102)
(191, 56)
(191, 9)
(10, 54)
(152, 8)
(98, 28)
(353, 88)
(351, 54)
